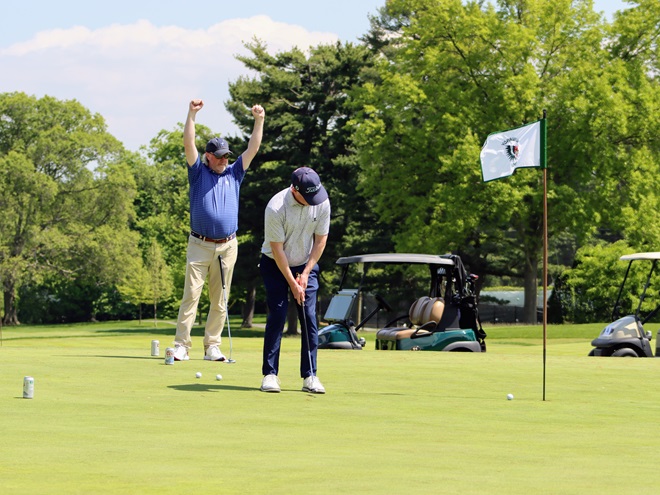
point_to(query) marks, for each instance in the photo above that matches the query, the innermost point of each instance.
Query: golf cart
(446, 319)
(342, 332)
(625, 336)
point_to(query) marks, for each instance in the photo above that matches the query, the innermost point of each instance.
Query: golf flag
(504, 152)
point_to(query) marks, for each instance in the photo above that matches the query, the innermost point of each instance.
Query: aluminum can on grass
(169, 355)
(28, 387)
(155, 348)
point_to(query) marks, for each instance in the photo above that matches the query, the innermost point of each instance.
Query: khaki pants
(202, 260)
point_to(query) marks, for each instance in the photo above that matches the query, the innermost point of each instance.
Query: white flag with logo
(504, 152)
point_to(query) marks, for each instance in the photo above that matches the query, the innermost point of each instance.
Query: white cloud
(140, 77)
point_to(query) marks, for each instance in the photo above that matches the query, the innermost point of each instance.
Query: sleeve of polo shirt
(237, 169)
(274, 226)
(323, 226)
(194, 170)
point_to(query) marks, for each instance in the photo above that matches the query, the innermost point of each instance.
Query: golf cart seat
(425, 314)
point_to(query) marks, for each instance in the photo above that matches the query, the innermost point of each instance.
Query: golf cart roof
(424, 259)
(641, 256)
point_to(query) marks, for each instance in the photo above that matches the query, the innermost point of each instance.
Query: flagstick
(545, 248)
(545, 270)
(499, 158)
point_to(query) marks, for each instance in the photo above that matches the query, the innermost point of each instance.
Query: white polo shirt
(294, 225)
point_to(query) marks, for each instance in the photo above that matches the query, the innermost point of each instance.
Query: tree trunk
(11, 315)
(531, 287)
(292, 317)
(248, 307)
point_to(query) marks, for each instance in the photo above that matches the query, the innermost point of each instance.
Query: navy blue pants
(277, 299)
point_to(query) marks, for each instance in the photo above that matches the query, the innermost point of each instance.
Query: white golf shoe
(180, 353)
(313, 385)
(270, 383)
(214, 354)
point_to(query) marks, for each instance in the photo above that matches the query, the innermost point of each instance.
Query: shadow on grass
(111, 332)
(170, 332)
(204, 387)
(161, 358)
(164, 332)
(55, 337)
(517, 342)
(380, 394)
(102, 333)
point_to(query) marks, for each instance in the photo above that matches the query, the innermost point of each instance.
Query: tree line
(394, 125)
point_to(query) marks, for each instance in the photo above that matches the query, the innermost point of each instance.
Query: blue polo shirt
(214, 199)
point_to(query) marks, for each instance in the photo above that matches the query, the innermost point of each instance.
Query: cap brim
(220, 153)
(317, 198)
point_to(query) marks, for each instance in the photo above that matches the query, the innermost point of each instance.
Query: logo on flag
(504, 152)
(512, 148)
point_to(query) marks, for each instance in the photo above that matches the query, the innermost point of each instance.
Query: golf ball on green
(218, 377)
(509, 397)
(198, 374)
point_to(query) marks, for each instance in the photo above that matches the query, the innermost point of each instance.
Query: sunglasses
(225, 156)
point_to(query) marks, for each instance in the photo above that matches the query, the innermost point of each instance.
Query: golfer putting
(297, 223)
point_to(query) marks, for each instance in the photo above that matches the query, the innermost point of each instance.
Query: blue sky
(346, 18)
(139, 62)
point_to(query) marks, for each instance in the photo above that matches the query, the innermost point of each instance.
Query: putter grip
(222, 272)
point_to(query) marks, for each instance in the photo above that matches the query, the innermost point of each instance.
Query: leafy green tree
(159, 276)
(634, 52)
(452, 72)
(66, 199)
(148, 281)
(590, 289)
(136, 287)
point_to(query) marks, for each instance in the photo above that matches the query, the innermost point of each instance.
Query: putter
(304, 317)
(224, 292)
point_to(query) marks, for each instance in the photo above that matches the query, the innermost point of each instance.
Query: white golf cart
(625, 336)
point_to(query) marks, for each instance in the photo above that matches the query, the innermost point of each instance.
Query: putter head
(230, 361)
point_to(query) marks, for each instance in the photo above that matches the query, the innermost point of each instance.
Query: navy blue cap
(307, 182)
(218, 147)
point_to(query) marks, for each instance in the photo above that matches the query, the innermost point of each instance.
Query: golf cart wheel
(624, 352)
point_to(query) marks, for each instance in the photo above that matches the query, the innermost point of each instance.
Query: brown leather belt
(208, 239)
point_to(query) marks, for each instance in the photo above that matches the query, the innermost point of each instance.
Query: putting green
(107, 418)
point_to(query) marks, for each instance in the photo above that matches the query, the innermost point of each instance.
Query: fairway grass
(107, 418)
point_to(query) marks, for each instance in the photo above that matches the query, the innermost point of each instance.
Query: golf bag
(466, 300)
